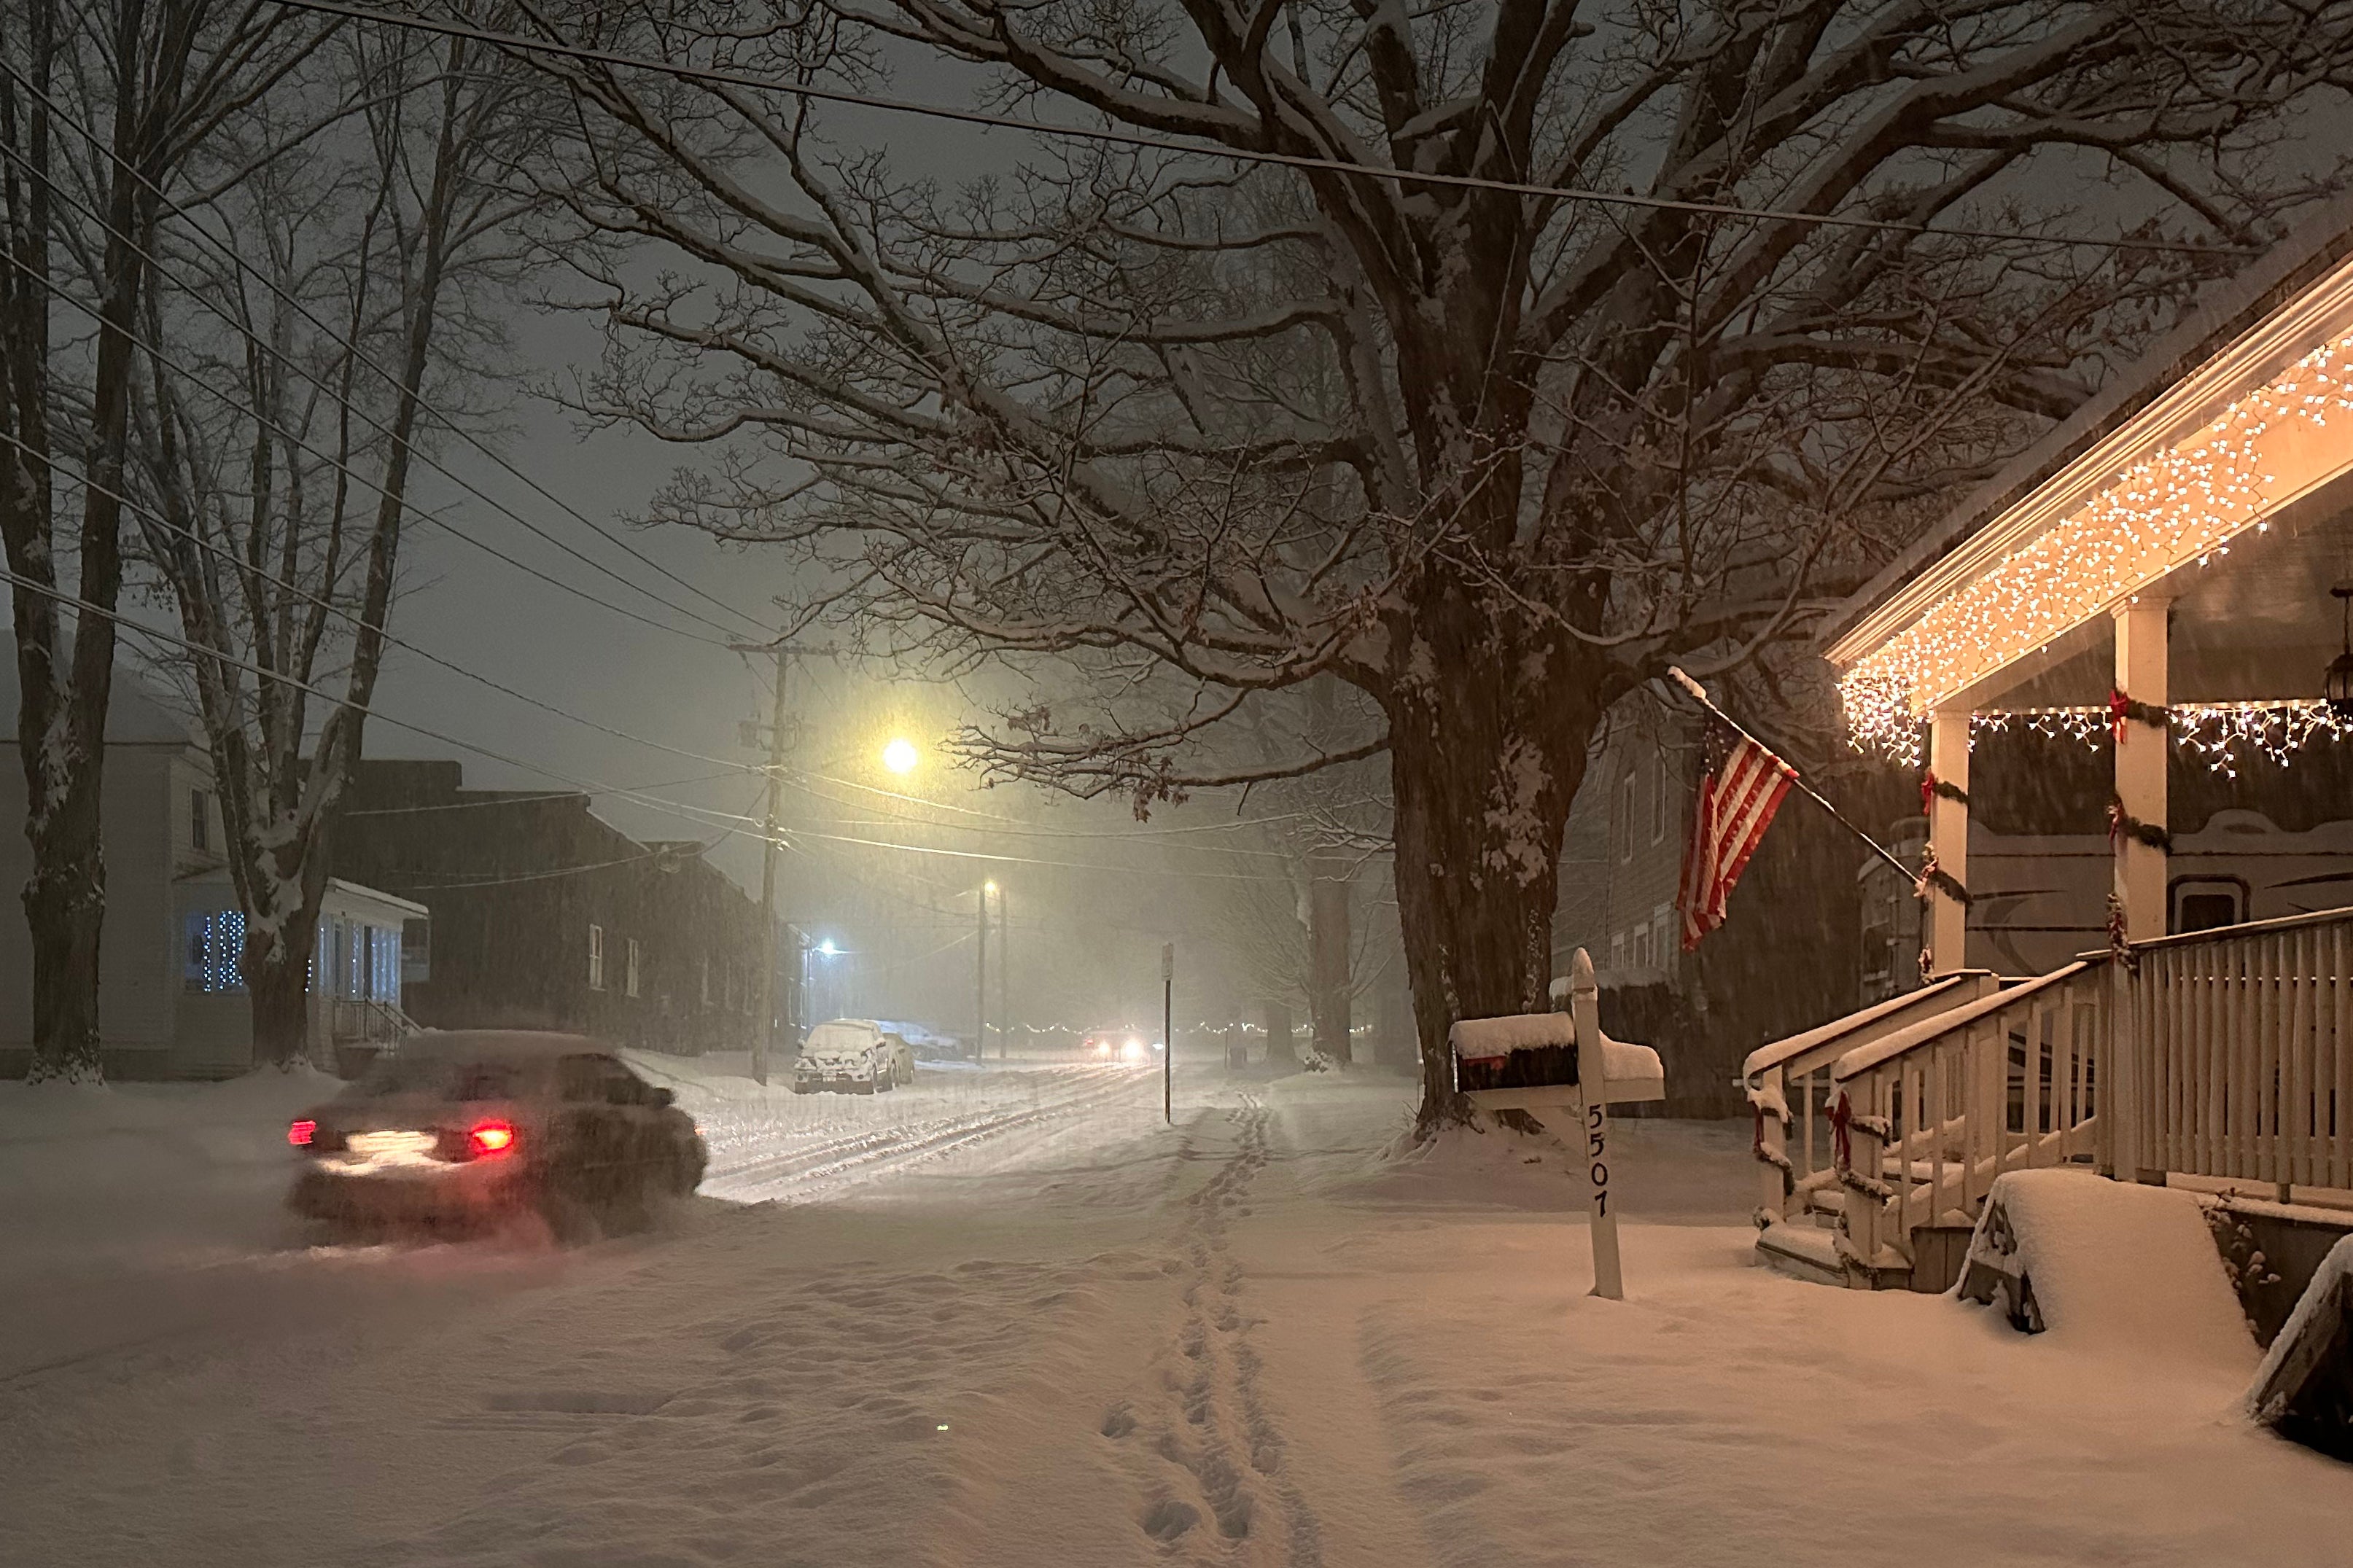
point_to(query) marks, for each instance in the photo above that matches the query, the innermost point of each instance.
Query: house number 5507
(1597, 1147)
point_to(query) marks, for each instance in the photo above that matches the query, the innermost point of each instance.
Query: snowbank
(2116, 1270)
(103, 1176)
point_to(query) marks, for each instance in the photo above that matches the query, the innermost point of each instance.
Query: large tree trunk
(1483, 771)
(280, 987)
(65, 907)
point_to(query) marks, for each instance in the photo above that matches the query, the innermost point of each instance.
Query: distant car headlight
(1132, 1052)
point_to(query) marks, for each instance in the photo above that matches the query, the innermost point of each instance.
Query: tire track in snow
(1211, 1447)
(804, 1172)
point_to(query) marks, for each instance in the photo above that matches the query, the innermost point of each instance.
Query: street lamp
(900, 755)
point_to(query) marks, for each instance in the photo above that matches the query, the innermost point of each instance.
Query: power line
(421, 515)
(703, 816)
(468, 883)
(716, 76)
(513, 797)
(142, 509)
(202, 297)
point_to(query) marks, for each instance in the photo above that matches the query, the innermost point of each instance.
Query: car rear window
(441, 1076)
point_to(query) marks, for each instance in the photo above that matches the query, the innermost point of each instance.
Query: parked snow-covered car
(853, 1056)
(468, 1128)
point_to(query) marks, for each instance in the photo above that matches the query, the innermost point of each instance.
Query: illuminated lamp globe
(900, 755)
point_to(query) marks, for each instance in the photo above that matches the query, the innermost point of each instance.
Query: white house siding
(2040, 900)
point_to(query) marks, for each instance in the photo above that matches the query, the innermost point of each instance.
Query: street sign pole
(1168, 1033)
(1585, 1013)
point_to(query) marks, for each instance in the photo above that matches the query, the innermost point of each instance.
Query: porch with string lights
(2175, 576)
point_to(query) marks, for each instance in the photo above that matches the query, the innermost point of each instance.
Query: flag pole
(1699, 695)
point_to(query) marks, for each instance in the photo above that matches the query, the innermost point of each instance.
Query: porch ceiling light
(2339, 686)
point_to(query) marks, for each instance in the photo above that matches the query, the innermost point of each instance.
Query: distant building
(542, 915)
(171, 1001)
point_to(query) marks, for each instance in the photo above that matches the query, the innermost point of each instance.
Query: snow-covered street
(1005, 1317)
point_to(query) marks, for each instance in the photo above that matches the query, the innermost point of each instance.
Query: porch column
(1947, 923)
(2140, 754)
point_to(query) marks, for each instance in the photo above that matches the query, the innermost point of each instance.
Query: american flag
(1737, 803)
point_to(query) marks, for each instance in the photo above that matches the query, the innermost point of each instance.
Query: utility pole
(1168, 1033)
(764, 1036)
(980, 983)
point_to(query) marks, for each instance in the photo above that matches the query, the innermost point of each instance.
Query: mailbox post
(1585, 1014)
(1561, 1065)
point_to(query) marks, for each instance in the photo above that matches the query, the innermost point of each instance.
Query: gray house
(171, 1001)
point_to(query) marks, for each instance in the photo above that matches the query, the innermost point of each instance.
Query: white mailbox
(1552, 1061)
(1528, 1062)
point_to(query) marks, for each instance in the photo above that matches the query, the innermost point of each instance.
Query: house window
(416, 951)
(1626, 814)
(596, 958)
(212, 942)
(384, 963)
(632, 976)
(1617, 950)
(706, 981)
(1642, 947)
(1662, 935)
(200, 829)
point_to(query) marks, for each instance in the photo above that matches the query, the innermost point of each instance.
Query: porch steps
(1806, 1251)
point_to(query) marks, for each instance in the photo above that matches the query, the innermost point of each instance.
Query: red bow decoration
(1842, 1115)
(1927, 793)
(2120, 711)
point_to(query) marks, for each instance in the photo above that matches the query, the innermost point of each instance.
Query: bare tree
(336, 290)
(100, 108)
(1487, 451)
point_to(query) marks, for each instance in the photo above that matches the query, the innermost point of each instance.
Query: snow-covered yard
(1008, 1318)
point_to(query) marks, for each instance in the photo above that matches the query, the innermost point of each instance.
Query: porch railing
(2242, 1042)
(1928, 1116)
(1790, 1090)
(2224, 1054)
(359, 1021)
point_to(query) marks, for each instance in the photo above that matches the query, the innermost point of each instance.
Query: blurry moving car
(1117, 1045)
(468, 1127)
(854, 1056)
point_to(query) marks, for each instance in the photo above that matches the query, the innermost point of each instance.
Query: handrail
(1863, 1058)
(2245, 928)
(1765, 1057)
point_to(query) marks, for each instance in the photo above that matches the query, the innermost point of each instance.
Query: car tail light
(489, 1138)
(300, 1134)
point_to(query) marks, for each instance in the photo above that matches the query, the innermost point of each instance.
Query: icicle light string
(2222, 735)
(2182, 505)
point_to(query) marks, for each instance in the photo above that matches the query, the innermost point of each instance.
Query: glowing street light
(827, 948)
(900, 755)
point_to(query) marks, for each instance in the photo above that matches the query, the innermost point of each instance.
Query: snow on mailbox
(1549, 1061)
(1528, 1061)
